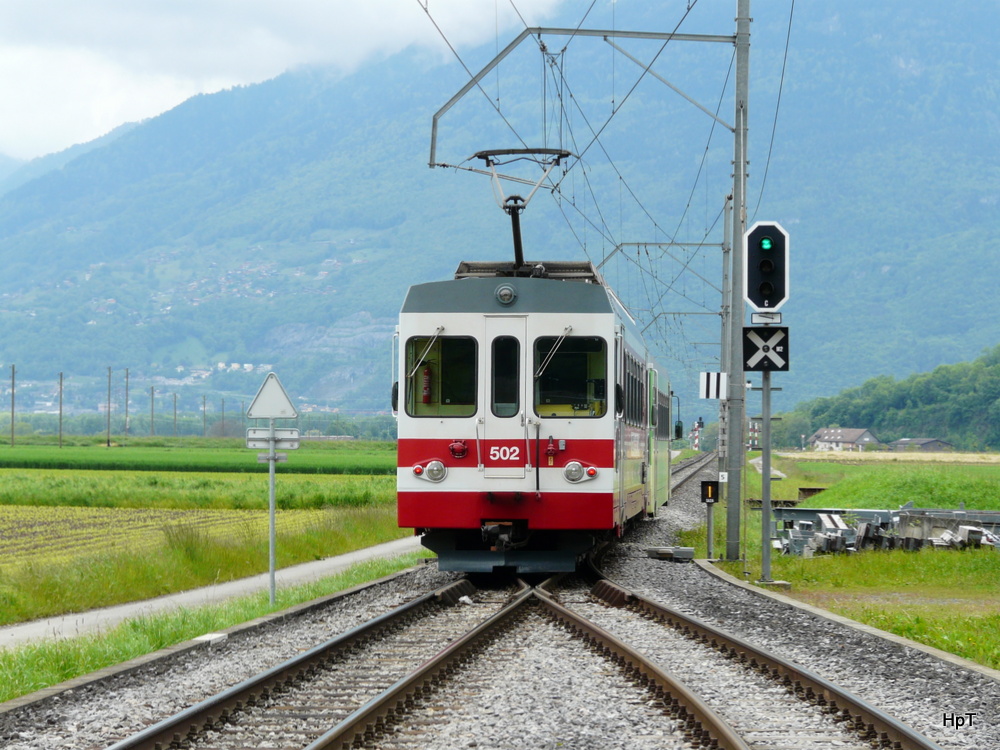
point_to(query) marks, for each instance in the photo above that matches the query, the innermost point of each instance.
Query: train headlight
(435, 471)
(506, 294)
(573, 471)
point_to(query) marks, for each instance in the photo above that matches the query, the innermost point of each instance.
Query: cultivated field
(876, 457)
(37, 535)
(78, 538)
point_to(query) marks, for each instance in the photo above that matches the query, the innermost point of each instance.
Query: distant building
(926, 445)
(842, 439)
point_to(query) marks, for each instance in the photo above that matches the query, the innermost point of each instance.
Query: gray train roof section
(544, 287)
(563, 270)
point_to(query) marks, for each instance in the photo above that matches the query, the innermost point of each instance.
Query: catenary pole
(727, 324)
(126, 404)
(12, 384)
(736, 385)
(109, 408)
(60, 409)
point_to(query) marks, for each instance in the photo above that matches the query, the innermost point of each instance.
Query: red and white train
(532, 423)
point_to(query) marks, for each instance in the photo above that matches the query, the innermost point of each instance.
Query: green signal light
(766, 243)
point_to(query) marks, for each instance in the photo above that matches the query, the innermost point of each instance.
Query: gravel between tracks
(540, 687)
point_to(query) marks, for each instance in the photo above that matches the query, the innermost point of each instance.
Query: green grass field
(191, 490)
(78, 538)
(134, 561)
(195, 454)
(945, 599)
(87, 526)
(29, 668)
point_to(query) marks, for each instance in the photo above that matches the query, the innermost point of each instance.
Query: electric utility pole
(736, 386)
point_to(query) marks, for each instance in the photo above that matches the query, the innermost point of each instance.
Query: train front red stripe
(465, 510)
(600, 453)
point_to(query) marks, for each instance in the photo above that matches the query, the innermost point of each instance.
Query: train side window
(634, 376)
(573, 383)
(442, 376)
(506, 377)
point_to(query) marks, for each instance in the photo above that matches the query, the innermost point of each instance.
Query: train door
(619, 490)
(652, 460)
(505, 446)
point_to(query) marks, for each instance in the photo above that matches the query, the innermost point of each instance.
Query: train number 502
(505, 453)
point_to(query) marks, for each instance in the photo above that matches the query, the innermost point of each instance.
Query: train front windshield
(570, 376)
(442, 378)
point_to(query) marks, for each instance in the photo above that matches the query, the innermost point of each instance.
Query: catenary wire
(777, 106)
(635, 85)
(606, 233)
(444, 37)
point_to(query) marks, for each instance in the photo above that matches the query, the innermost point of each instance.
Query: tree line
(959, 404)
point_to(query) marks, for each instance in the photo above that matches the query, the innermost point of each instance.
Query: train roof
(481, 294)
(539, 287)
(562, 270)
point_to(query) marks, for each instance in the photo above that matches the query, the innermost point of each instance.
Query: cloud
(70, 71)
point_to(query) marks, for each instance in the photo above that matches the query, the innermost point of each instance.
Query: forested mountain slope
(957, 403)
(280, 223)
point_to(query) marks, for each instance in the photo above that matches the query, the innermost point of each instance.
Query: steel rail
(207, 713)
(879, 725)
(370, 717)
(701, 722)
(693, 467)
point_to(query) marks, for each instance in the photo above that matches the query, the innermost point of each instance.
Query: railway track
(770, 701)
(318, 700)
(689, 469)
(426, 674)
(302, 697)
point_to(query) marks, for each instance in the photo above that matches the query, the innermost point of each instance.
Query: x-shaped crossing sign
(765, 348)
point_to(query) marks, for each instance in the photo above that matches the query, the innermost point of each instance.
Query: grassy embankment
(169, 517)
(75, 539)
(29, 668)
(945, 599)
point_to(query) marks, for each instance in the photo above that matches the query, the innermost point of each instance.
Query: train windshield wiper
(420, 359)
(552, 352)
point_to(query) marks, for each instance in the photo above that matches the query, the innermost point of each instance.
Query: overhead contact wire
(777, 106)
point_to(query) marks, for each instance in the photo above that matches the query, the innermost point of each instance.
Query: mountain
(8, 166)
(280, 223)
(14, 173)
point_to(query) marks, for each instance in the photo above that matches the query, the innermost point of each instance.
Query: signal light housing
(765, 266)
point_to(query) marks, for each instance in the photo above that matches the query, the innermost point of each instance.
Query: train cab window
(506, 377)
(570, 376)
(442, 376)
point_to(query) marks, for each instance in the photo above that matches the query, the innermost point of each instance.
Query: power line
(638, 81)
(566, 103)
(444, 37)
(777, 105)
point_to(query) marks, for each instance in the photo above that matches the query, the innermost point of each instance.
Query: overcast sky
(71, 70)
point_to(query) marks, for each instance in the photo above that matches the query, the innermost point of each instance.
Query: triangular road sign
(271, 401)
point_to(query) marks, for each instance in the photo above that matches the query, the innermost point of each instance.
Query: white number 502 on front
(505, 453)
